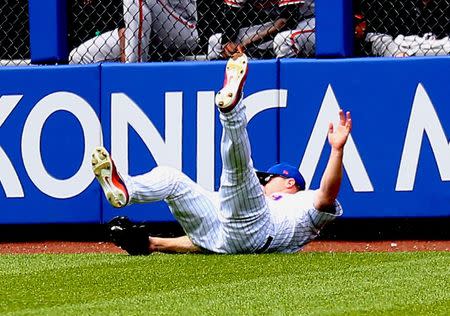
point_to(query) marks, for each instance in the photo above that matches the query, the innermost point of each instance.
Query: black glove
(130, 237)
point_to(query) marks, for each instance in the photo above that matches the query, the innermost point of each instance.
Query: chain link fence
(168, 30)
(94, 23)
(399, 28)
(14, 33)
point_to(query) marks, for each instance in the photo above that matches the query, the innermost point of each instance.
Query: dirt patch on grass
(318, 246)
(378, 246)
(58, 247)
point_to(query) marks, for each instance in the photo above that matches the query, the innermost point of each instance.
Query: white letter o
(31, 138)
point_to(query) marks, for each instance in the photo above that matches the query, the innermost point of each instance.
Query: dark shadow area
(343, 229)
(75, 232)
(386, 229)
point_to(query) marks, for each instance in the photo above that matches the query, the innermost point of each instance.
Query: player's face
(275, 184)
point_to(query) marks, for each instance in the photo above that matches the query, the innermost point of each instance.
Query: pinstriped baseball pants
(237, 219)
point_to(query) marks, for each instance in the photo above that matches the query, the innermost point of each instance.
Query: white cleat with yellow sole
(235, 75)
(110, 180)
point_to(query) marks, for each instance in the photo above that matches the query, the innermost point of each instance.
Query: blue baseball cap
(282, 170)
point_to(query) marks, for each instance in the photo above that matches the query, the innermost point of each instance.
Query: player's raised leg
(242, 199)
(195, 208)
(110, 180)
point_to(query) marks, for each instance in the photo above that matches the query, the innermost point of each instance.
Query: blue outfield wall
(46, 113)
(397, 162)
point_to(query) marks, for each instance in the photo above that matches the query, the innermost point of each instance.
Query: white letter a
(353, 164)
(423, 119)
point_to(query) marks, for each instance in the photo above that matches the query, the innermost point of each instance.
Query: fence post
(48, 31)
(334, 28)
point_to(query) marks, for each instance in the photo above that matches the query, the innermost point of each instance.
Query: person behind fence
(107, 46)
(161, 27)
(420, 27)
(280, 28)
(253, 212)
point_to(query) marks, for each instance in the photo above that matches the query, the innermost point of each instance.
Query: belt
(266, 245)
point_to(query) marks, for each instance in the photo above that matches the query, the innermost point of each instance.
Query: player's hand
(279, 24)
(338, 137)
(231, 48)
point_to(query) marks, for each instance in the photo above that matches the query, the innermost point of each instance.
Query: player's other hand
(231, 48)
(338, 137)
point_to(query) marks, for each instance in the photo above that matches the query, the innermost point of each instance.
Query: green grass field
(416, 283)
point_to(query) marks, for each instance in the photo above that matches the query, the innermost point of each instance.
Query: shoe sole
(103, 168)
(229, 95)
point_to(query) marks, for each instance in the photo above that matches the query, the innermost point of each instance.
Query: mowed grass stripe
(314, 283)
(20, 264)
(32, 264)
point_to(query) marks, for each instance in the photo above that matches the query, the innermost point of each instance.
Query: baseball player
(252, 212)
(288, 29)
(170, 23)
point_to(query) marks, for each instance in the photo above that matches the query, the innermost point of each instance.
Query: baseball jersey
(296, 221)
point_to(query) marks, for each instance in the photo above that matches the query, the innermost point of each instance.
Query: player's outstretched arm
(332, 177)
(288, 19)
(173, 245)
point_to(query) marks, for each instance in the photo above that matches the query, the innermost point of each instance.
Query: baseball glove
(130, 237)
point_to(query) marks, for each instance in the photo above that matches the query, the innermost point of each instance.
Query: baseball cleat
(106, 173)
(235, 75)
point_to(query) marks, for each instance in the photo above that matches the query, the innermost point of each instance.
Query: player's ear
(290, 183)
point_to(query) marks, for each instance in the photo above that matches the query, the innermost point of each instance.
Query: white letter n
(125, 112)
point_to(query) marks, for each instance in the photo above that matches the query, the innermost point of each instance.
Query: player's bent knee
(74, 57)
(282, 47)
(165, 172)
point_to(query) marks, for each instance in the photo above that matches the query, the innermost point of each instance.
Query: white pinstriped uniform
(173, 22)
(239, 218)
